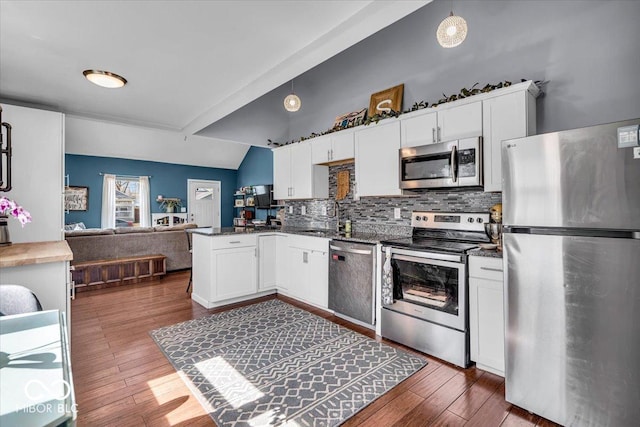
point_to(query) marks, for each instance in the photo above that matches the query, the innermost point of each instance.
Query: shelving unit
(244, 202)
(168, 219)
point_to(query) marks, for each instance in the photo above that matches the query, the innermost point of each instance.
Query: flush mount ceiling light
(452, 31)
(292, 102)
(105, 78)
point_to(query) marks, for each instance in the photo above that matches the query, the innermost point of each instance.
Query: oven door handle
(454, 163)
(436, 259)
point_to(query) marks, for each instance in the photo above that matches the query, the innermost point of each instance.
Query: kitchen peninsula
(231, 266)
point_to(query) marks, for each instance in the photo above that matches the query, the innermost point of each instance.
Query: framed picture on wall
(76, 198)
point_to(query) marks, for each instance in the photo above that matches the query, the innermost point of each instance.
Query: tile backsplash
(376, 214)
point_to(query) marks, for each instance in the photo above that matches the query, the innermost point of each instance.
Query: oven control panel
(450, 220)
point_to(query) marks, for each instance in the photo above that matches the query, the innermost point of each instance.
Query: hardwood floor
(122, 378)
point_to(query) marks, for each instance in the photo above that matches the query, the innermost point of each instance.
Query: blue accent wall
(256, 169)
(167, 179)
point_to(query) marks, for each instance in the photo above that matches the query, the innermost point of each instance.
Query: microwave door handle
(454, 163)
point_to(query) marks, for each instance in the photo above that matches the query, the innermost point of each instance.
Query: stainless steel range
(424, 284)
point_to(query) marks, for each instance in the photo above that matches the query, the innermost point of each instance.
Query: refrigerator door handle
(569, 231)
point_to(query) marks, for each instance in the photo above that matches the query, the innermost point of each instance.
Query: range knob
(480, 220)
(470, 219)
(418, 217)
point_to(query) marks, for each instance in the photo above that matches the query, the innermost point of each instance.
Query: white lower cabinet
(234, 272)
(308, 278)
(486, 313)
(224, 268)
(267, 261)
(50, 282)
(235, 267)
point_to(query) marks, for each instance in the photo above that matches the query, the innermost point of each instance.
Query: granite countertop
(490, 253)
(355, 236)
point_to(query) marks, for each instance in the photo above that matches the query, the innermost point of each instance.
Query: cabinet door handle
(439, 135)
(332, 154)
(492, 269)
(328, 154)
(433, 135)
(305, 257)
(233, 242)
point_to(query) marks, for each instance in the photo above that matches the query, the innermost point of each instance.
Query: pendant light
(452, 31)
(105, 78)
(292, 102)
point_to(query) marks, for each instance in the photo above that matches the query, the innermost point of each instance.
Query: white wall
(99, 138)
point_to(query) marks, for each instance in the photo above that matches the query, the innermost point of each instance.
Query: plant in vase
(9, 207)
(170, 205)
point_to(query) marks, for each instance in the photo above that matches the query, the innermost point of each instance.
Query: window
(127, 202)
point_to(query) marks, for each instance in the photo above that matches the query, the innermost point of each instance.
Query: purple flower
(9, 207)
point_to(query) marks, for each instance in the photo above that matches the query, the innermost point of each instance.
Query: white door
(203, 202)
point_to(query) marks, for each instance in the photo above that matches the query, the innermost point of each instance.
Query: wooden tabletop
(34, 253)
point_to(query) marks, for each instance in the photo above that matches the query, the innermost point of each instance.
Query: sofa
(104, 244)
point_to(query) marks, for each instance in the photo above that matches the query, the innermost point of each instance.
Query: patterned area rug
(270, 364)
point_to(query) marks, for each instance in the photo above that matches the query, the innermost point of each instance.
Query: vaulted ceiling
(188, 63)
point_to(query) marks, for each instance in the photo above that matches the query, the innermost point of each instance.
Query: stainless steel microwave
(448, 164)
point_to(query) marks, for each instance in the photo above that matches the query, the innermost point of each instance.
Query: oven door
(449, 164)
(431, 289)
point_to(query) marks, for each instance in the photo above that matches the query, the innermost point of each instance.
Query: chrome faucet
(336, 214)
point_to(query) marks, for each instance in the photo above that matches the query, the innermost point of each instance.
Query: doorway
(203, 202)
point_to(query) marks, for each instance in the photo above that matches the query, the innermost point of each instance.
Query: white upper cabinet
(444, 124)
(321, 149)
(332, 147)
(419, 130)
(377, 159)
(505, 117)
(295, 177)
(281, 173)
(464, 121)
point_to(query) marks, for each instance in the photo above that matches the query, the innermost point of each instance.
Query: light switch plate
(636, 152)
(291, 209)
(303, 210)
(396, 213)
(324, 211)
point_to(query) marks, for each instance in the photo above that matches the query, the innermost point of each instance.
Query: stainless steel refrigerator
(571, 220)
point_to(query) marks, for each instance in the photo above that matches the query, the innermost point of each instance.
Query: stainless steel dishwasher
(352, 281)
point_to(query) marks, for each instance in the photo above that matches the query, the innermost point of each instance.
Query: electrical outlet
(291, 209)
(303, 210)
(636, 153)
(324, 211)
(396, 213)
